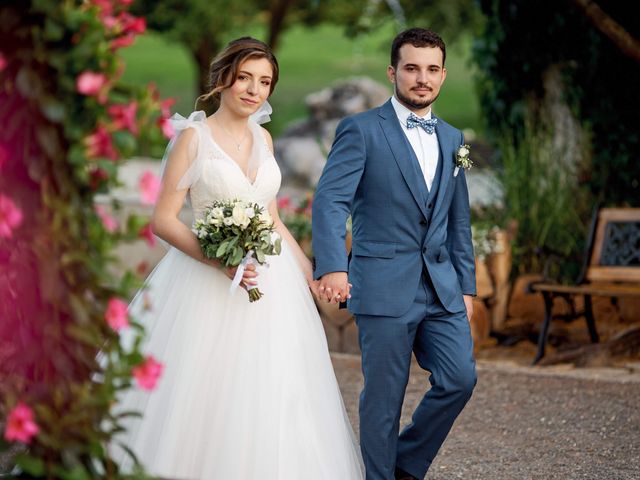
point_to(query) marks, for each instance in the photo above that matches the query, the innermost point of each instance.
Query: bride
(248, 390)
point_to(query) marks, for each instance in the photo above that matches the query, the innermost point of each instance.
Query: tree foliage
(202, 25)
(522, 40)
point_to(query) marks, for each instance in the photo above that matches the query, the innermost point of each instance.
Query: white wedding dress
(248, 390)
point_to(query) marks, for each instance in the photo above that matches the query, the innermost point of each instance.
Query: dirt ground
(527, 422)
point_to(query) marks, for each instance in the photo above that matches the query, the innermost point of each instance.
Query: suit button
(430, 205)
(423, 222)
(424, 249)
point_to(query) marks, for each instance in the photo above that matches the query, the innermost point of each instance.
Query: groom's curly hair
(418, 37)
(223, 70)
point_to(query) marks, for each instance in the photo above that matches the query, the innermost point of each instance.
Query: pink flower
(149, 185)
(91, 83)
(4, 155)
(21, 426)
(132, 25)
(10, 217)
(109, 21)
(3, 62)
(99, 144)
(148, 373)
(147, 234)
(284, 203)
(104, 5)
(123, 41)
(124, 116)
(166, 127)
(116, 314)
(109, 223)
(165, 107)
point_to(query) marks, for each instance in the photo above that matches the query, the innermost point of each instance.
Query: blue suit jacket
(398, 228)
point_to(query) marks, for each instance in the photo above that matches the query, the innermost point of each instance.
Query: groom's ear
(391, 74)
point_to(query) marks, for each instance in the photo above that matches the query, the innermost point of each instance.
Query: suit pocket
(443, 255)
(374, 249)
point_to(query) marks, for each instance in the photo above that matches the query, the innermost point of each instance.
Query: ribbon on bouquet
(246, 261)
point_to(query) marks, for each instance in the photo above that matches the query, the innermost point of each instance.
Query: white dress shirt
(425, 145)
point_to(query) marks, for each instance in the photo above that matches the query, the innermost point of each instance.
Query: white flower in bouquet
(265, 217)
(217, 213)
(239, 215)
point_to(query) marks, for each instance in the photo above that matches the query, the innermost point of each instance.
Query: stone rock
(303, 147)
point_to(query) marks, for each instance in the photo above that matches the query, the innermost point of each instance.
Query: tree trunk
(279, 10)
(203, 56)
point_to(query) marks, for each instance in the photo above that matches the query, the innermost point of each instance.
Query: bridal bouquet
(238, 234)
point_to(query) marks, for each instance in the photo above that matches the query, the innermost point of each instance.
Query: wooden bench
(611, 269)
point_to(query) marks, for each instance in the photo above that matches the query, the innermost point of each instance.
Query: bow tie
(428, 124)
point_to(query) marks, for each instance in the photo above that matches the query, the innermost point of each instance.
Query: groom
(411, 277)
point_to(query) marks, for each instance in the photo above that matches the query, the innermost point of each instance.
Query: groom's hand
(334, 287)
(468, 303)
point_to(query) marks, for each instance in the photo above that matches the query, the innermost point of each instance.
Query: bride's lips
(249, 102)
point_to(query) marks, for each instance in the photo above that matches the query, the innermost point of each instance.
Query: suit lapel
(403, 155)
(446, 157)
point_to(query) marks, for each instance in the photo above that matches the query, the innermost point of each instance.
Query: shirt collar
(403, 112)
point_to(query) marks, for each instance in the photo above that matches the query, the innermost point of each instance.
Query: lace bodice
(213, 175)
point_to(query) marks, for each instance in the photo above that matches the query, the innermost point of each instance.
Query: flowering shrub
(297, 218)
(67, 121)
(484, 240)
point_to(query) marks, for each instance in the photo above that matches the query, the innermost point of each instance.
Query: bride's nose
(252, 89)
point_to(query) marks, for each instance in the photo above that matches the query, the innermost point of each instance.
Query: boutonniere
(462, 159)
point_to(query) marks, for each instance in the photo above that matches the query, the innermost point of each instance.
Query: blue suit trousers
(441, 342)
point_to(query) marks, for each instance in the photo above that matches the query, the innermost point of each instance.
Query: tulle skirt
(248, 391)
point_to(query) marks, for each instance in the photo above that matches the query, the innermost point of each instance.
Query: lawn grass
(310, 59)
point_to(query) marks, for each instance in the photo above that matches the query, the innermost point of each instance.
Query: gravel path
(530, 422)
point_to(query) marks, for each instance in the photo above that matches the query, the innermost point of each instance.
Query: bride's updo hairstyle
(224, 68)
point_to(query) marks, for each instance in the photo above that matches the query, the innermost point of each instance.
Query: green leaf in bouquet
(237, 256)
(222, 249)
(260, 256)
(277, 246)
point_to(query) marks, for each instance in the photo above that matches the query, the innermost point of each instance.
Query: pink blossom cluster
(21, 425)
(285, 204)
(123, 27)
(148, 372)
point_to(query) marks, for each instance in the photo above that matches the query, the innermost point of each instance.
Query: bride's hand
(249, 277)
(313, 286)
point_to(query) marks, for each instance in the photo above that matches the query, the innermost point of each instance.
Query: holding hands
(333, 287)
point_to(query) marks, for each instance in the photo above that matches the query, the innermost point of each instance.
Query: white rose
(463, 152)
(265, 217)
(239, 215)
(217, 212)
(250, 212)
(228, 221)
